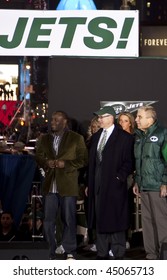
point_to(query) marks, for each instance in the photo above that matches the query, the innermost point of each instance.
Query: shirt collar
(109, 129)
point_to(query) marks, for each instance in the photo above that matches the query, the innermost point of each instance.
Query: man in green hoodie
(151, 179)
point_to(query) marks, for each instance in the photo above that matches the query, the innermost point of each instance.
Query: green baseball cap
(105, 110)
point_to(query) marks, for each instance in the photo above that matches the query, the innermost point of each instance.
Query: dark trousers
(67, 205)
(154, 222)
(116, 241)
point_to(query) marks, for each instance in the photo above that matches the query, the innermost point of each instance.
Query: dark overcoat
(117, 164)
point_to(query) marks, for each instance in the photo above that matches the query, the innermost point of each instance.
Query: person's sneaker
(93, 248)
(111, 253)
(60, 250)
(70, 257)
(127, 245)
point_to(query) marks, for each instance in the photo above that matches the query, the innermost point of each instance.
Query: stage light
(76, 5)
(22, 122)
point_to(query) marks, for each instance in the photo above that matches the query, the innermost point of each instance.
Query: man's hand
(163, 191)
(59, 163)
(136, 189)
(86, 191)
(56, 163)
(51, 163)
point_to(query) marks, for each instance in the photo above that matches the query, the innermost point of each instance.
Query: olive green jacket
(73, 151)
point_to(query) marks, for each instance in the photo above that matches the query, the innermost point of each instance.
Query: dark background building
(151, 11)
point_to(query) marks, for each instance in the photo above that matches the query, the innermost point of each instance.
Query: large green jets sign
(69, 33)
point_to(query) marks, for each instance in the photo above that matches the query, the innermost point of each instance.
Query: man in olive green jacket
(60, 154)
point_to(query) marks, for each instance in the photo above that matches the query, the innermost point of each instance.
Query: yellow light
(28, 66)
(22, 123)
(148, 4)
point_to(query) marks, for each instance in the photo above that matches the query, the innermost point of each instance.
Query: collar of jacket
(149, 131)
(60, 134)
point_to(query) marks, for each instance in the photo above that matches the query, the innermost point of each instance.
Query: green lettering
(36, 30)
(106, 35)
(70, 30)
(17, 37)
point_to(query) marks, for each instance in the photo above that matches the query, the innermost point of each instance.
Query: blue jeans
(67, 205)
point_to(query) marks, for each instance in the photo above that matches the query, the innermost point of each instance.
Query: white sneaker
(127, 245)
(93, 248)
(111, 253)
(60, 250)
(70, 257)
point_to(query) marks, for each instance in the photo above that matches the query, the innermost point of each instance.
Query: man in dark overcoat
(107, 184)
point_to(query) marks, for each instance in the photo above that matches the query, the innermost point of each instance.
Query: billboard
(97, 33)
(9, 74)
(153, 41)
(126, 106)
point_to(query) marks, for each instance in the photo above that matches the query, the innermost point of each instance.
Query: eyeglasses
(102, 117)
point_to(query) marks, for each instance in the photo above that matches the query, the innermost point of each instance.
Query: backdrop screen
(80, 85)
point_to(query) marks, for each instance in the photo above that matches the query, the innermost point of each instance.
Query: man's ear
(65, 122)
(151, 121)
